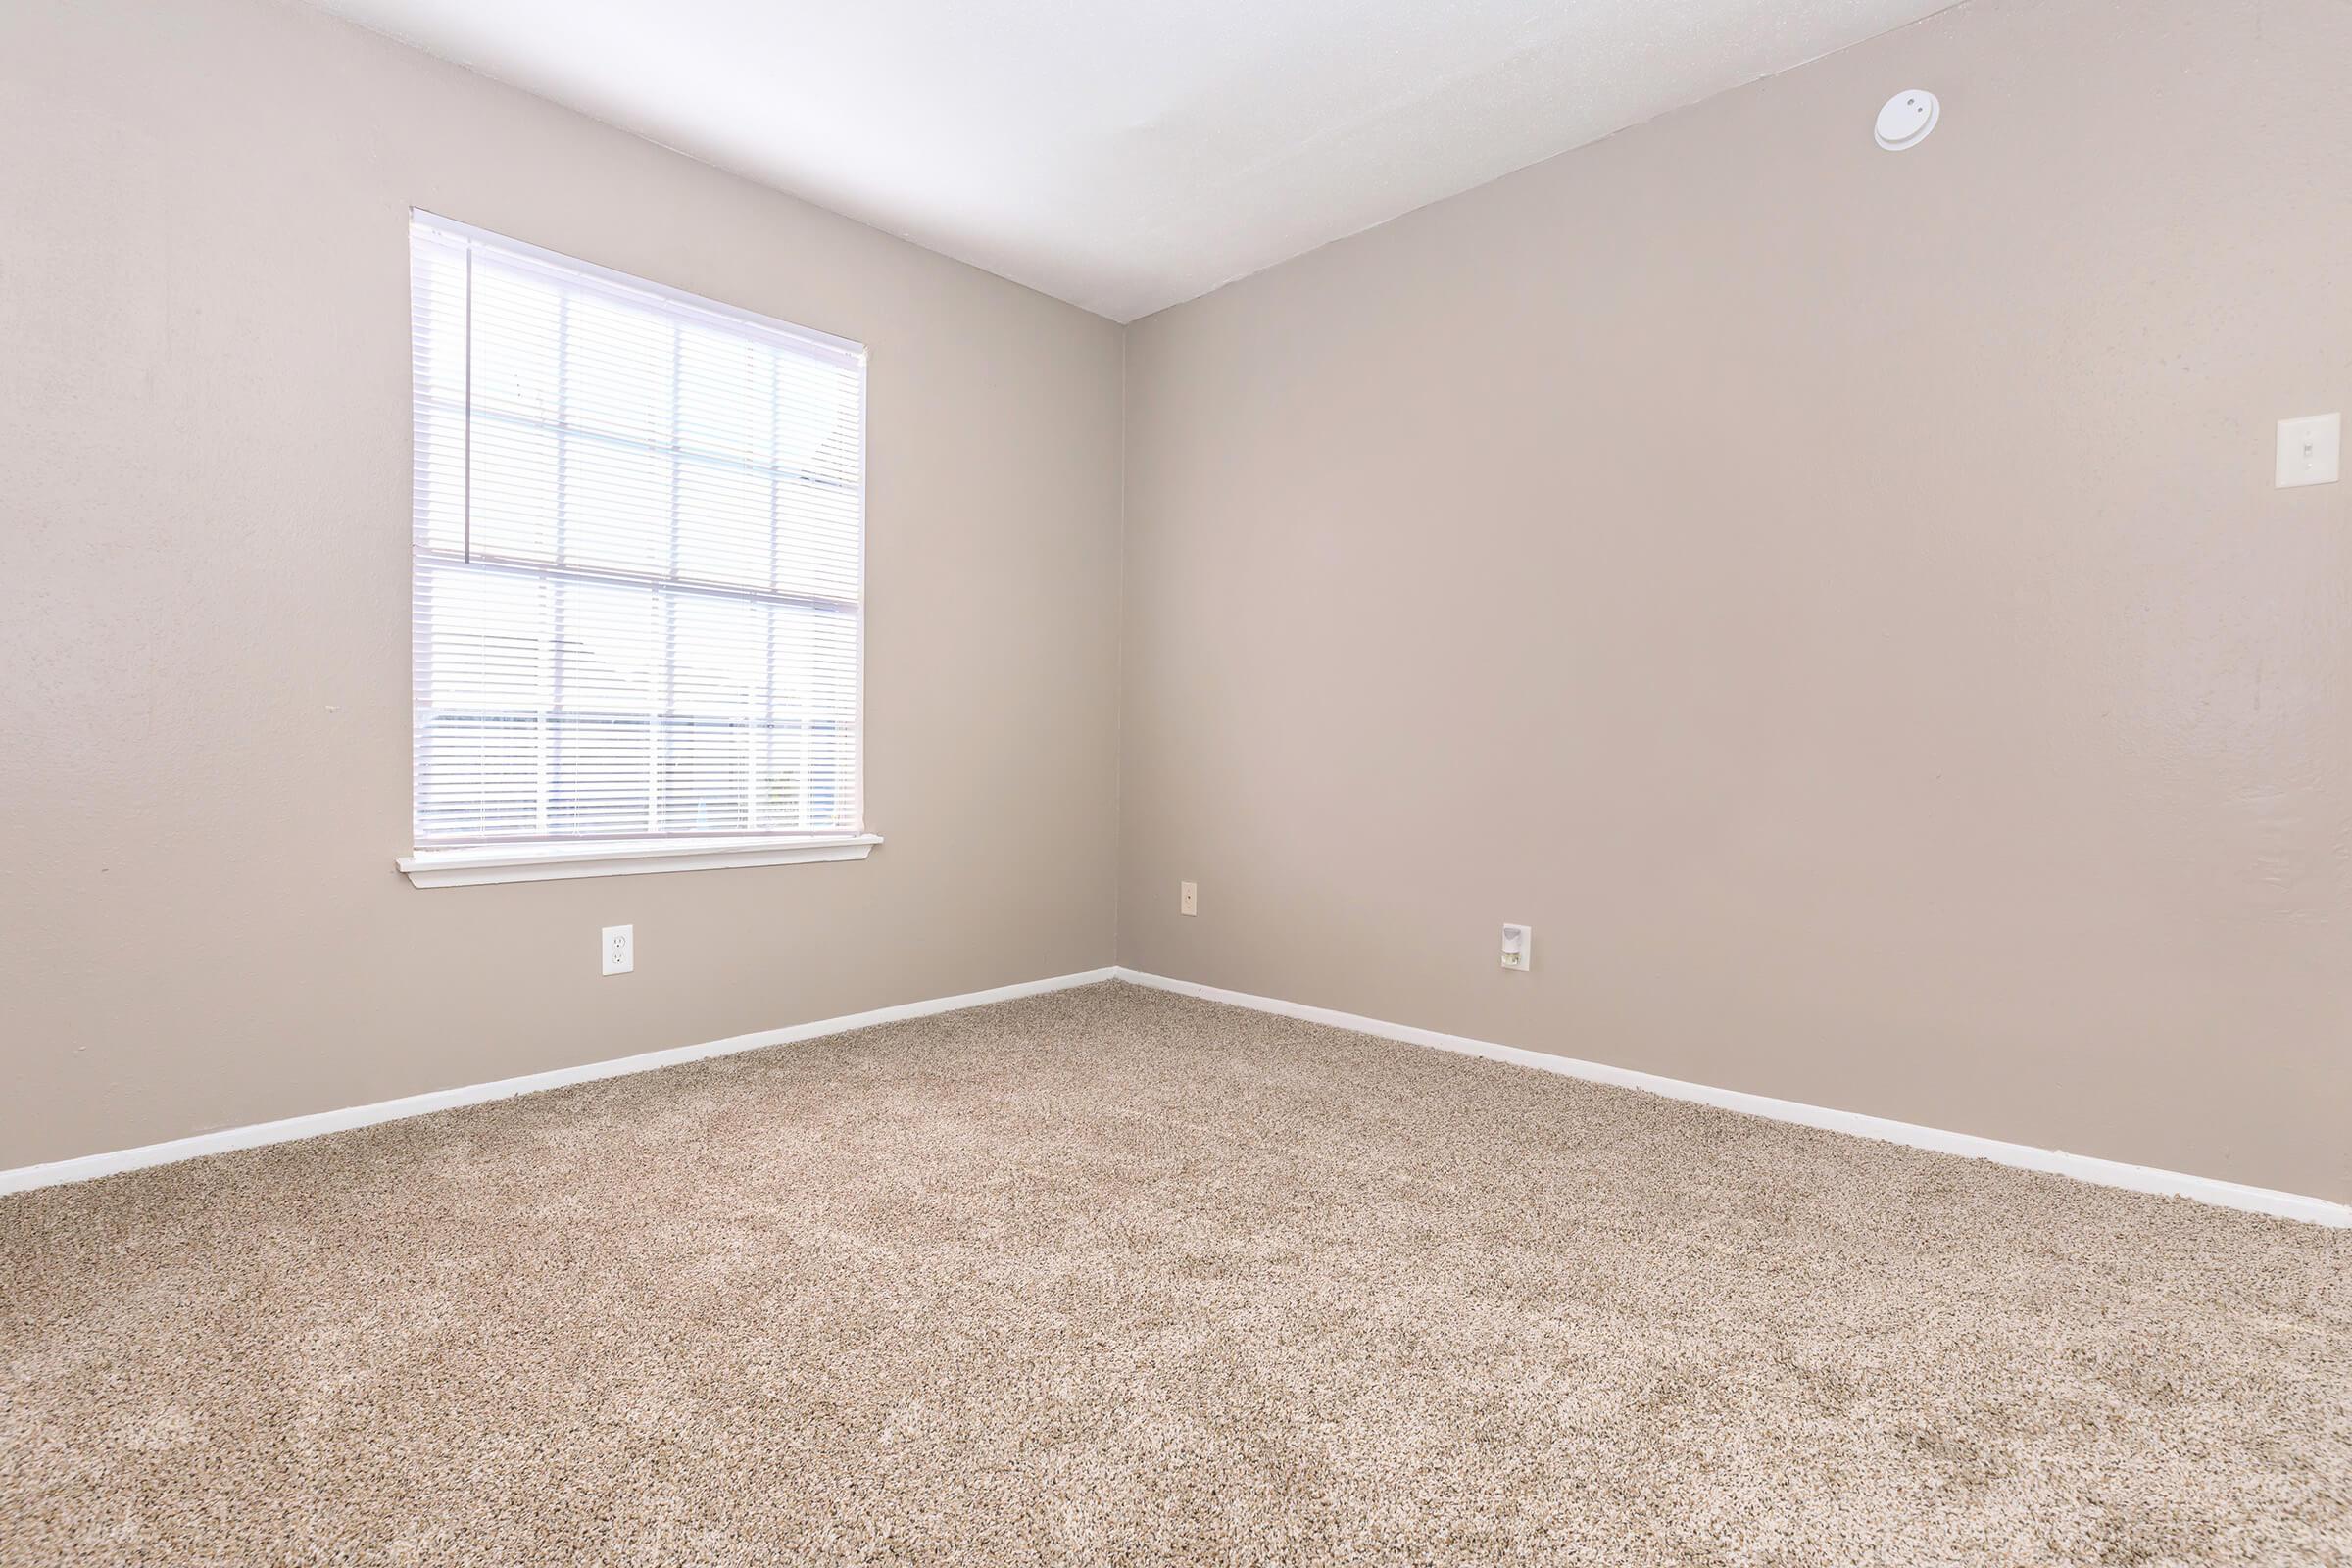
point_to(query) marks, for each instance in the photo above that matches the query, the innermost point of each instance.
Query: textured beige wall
(204, 542)
(1839, 598)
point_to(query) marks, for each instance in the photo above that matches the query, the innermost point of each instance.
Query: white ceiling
(1126, 155)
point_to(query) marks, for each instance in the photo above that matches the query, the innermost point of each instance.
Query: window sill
(475, 863)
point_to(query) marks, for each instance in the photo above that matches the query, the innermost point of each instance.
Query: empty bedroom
(1359, 782)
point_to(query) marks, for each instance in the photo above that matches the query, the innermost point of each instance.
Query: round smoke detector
(1907, 119)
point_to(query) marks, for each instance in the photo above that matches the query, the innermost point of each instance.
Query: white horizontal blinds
(639, 535)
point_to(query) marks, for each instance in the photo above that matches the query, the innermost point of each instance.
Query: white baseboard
(334, 1121)
(2083, 1167)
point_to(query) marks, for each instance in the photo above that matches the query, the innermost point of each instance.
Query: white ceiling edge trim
(1670, 111)
(1129, 159)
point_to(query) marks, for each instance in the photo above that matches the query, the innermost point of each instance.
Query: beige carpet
(1113, 1276)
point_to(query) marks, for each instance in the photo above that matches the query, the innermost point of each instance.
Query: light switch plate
(2311, 449)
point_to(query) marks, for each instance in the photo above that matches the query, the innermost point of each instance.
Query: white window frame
(546, 859)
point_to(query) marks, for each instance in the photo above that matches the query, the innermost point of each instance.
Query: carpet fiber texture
(1113, 1276)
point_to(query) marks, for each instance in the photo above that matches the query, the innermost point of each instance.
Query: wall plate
(2311, 449)
(1906, 120)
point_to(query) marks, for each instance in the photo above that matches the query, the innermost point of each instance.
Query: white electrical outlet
(1518, 947)
(620, 948)
(1188, 897)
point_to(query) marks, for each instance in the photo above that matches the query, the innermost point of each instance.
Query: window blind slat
(639, 557)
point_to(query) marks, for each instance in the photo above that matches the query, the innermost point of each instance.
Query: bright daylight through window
(639, 568)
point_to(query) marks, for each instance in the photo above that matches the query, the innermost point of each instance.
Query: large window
(639, 562)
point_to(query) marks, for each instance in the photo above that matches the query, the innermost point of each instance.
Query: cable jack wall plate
(1907, 119)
